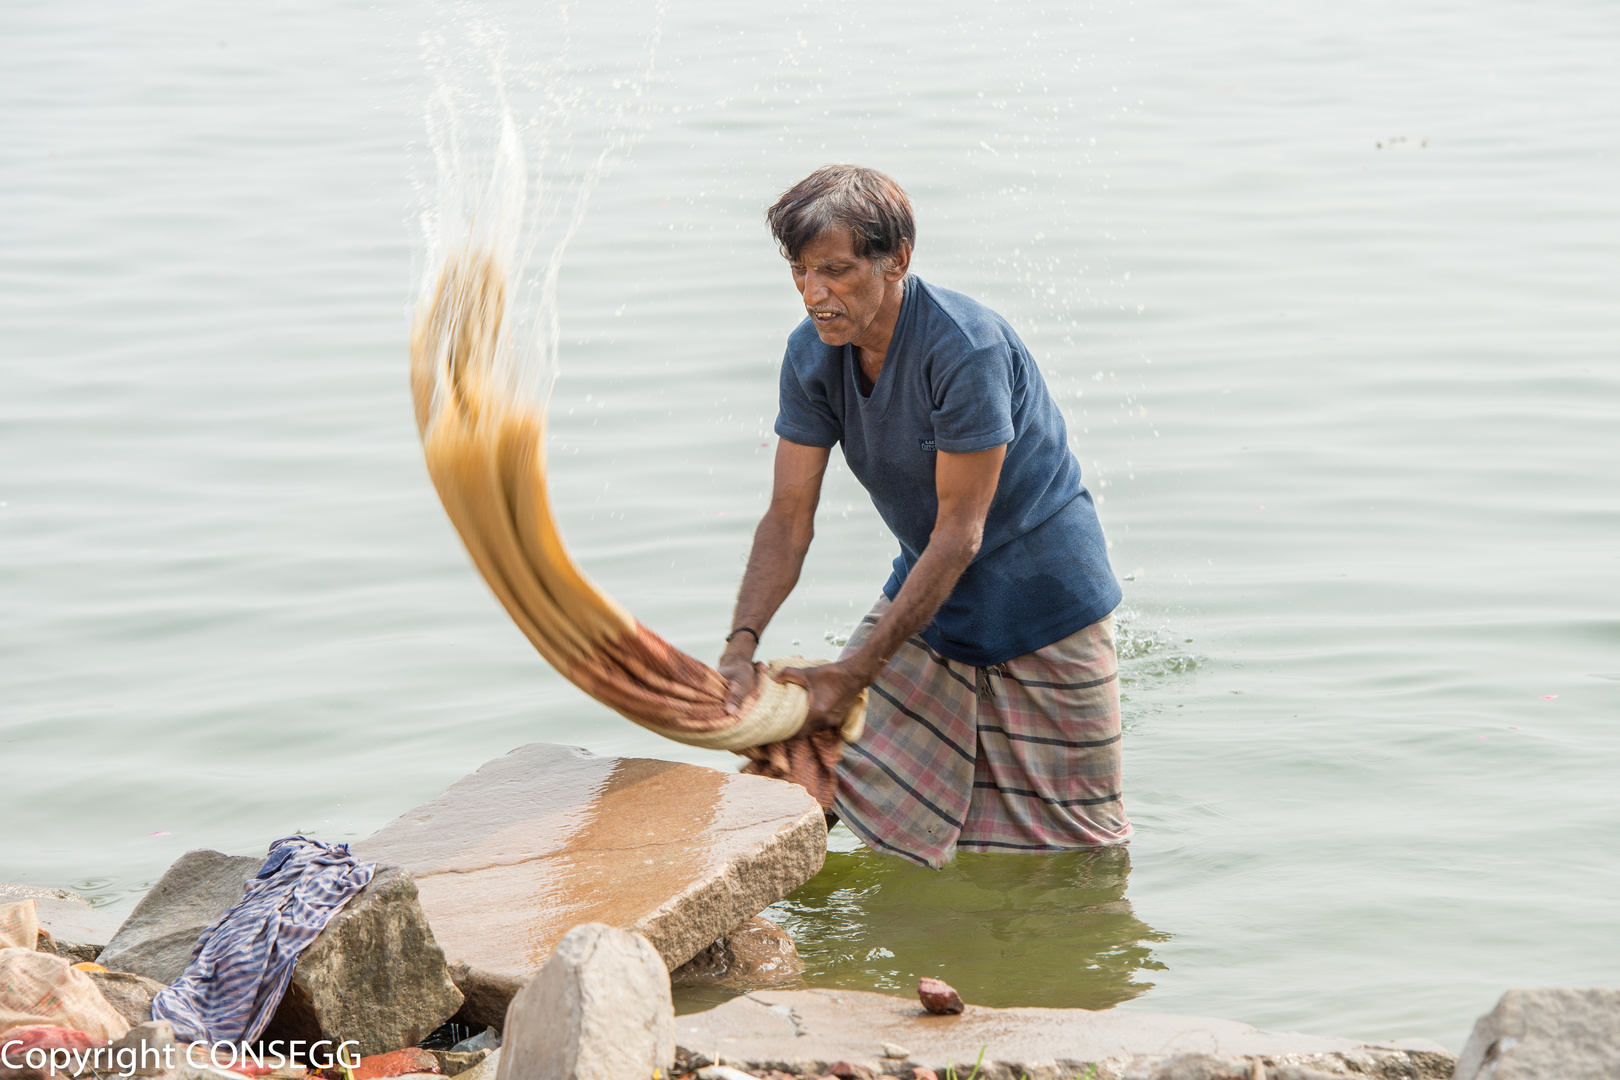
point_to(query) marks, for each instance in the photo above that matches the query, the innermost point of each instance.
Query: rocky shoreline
(541, 910)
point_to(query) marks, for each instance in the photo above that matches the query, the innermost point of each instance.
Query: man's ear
(899, 263)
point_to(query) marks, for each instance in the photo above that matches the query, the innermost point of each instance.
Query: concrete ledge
(806, 1031)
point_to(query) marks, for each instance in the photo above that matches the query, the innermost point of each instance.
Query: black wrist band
(739, 630)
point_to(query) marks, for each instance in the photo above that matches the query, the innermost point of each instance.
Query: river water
(1326, 293)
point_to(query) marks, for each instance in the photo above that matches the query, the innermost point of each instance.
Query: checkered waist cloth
(1022, 756)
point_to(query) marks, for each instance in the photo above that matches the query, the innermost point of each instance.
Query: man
(993, 718)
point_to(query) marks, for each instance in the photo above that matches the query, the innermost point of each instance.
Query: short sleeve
(973, 400)
(804, 415)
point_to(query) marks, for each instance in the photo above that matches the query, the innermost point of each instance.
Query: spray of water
(517, 151)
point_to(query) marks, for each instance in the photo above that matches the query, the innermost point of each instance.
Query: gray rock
(148, 1049)
(1206, 1067)
(1561, 1032)
(204, 1071)
(548, 837)
(456, 1062)
(129, 993)
(598, 1009)
(484, 1070)
(1188, 1067)
(722, 1072)
(157, 938)
(374, 975)
(756, 954)
(485, 994)
(1305, 1072)
(74, 952)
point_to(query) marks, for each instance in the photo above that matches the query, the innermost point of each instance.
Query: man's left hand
(833, 689)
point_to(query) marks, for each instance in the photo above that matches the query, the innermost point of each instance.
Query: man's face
(841, 292)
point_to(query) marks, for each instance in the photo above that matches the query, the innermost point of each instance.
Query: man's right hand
(737, 668)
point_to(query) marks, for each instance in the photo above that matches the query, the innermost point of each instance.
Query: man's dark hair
(866, 202)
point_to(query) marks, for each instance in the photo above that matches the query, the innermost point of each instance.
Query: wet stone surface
(549, 837)
(756, 954)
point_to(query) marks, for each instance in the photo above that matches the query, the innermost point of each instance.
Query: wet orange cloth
(485, 449)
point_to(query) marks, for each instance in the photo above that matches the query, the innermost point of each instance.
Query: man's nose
(815, 289)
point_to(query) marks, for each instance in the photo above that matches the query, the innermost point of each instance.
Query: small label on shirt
(926, 445)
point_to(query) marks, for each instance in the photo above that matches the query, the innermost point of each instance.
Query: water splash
(518, 148)
(1148, 652)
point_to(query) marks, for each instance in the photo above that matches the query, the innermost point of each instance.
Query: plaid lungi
(1020, 757)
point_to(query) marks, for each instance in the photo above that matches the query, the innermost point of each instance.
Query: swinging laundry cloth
(241, 964)
(1022, 756)
(484, 440)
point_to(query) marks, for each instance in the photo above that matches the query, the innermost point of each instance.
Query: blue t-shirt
(958, 379)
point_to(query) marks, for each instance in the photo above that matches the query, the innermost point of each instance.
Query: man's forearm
(925, 590)
(965, 485)
(774, 563)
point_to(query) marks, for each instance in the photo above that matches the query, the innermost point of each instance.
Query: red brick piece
(938, 997)
(412, 1059)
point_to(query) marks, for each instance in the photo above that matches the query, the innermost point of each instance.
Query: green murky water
(1057, 932)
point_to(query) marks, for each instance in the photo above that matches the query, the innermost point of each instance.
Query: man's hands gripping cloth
(965, 484)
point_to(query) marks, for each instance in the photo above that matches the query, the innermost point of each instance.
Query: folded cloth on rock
(241, 964)
(484, 439)
(19, 925)
(38, 989)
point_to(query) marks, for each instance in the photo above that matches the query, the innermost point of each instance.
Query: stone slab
(806, 1031)
(548, 837)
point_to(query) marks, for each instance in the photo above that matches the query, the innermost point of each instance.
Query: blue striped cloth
(241, 965)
